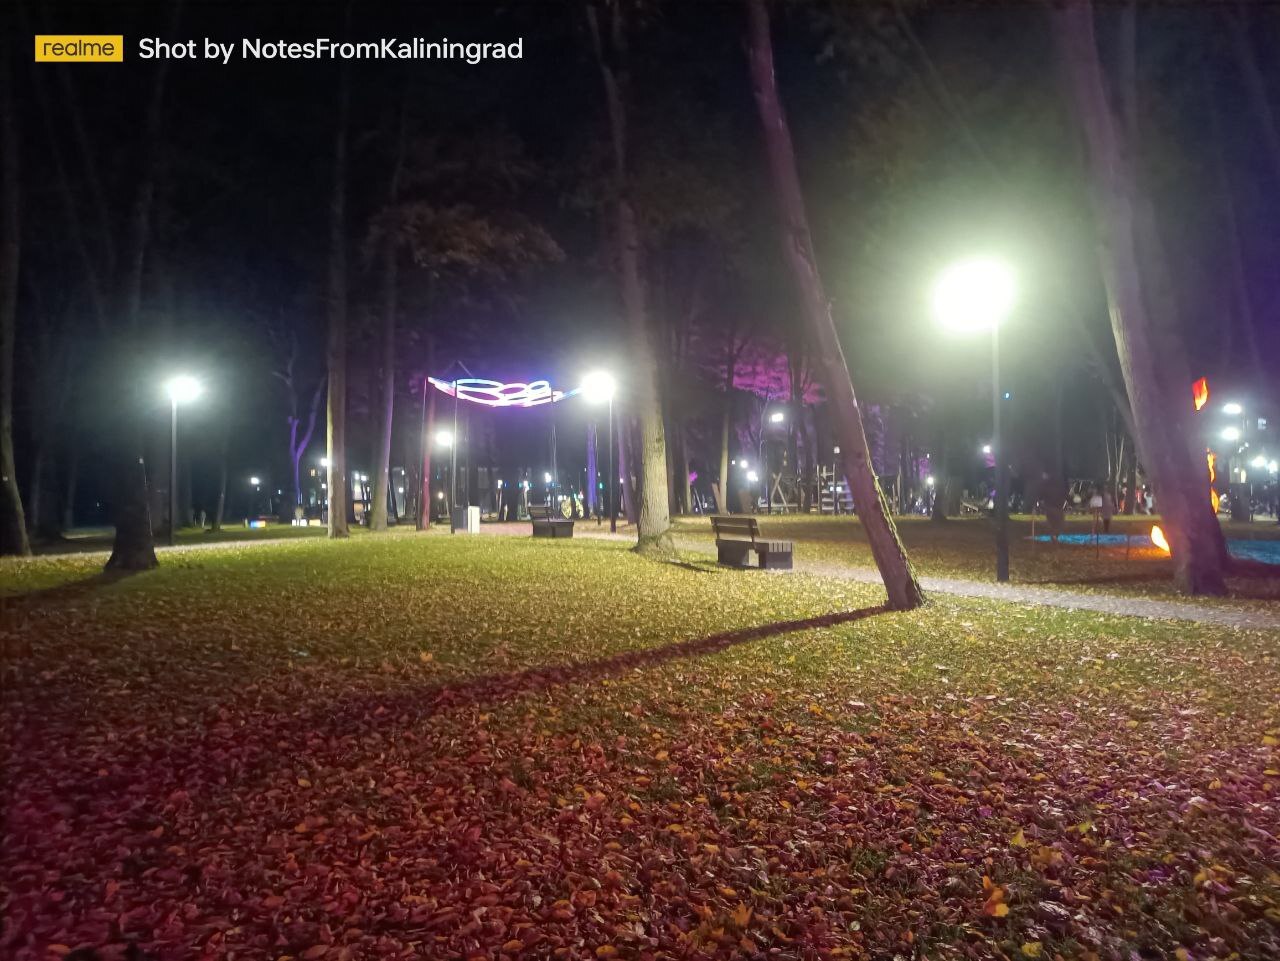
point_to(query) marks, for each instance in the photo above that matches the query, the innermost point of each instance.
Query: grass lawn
(426, 746)
(965, 548)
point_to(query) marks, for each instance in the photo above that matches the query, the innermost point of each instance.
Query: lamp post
(444, 438)
(598, 387)
(973, 295)
(776, 417)
(181, 390)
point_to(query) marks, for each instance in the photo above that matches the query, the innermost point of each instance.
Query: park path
(1118, 604)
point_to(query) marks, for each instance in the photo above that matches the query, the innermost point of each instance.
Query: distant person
(1108, 510)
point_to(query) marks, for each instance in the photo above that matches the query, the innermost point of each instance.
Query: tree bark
(220, 504)
(73, 475)
(593, 479)
(387, 360)
(336, 415)
(654, 529)
(1181, 483)
(886, 547)
(13, 525)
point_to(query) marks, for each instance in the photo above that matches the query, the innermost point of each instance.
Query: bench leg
(733, 555)
(775, 560)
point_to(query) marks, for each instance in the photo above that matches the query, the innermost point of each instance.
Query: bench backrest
(739, 528)
(540, 512)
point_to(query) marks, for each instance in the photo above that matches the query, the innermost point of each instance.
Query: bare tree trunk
(13, 525)
(886, 547)
(73, 475)
(593, 472)
(1181, 483)
(629, 510)
(654, 531)
(134, 546)
(220, 505)
(387, 361)
(338, 487)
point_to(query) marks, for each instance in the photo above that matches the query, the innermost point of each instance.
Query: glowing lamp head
(1231, 433)
(444, 438)
(753, 477)
(1259, 462)
(324, 462)
(546, 478)
(986, 448)
(1233, 409)
(777, 417)
(598, 387)
(183, 389)
(974, 294)
(255, 481)
(929, 480)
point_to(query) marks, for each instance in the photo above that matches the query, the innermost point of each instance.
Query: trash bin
(465, 520)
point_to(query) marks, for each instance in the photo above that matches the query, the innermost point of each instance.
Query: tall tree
(338, 488)
(609, 41)
(13, 525)
(1158, 388)
(387, 344)
(886, 547)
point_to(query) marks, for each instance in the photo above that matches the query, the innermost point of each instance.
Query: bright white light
(929, 480)
(399, 490)
(444, 438)
(974, 294)
(1231, 433)
(255, 481)
(745, 465)
(777, 417)
(1273, 467)
(440, 496)
(499, 485)
(986, 448)
(546, 478)
(1232, 408)
(324, 462)
(598, 387)
(753, 477)
(1259, 461)
(183, 388)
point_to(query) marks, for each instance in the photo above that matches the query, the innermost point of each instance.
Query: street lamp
(182, 389)
(974, 295)
(775, 417)
(598, 387)
(1233, 409)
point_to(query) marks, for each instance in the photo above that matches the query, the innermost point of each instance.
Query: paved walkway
(1118, 604)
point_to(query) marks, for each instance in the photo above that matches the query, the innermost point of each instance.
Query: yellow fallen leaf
(1019, 840)
(1032, 949)
(606, 951)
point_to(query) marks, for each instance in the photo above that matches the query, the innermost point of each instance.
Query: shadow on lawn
(502, 686)
(72, 590)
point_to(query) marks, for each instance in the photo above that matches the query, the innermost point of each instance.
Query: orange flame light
(1200, 391)
(1157, 538)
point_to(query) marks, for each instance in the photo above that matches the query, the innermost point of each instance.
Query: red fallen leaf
(606, 951)
(515, 944)
(315, 951)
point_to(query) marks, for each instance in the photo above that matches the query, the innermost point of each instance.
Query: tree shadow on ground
(60, 593)
(330, 725)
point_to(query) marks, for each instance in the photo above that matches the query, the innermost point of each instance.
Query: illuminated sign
(494, 393)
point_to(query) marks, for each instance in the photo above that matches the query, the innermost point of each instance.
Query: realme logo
(87, 48)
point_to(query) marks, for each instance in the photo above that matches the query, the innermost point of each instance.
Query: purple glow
(494, 393)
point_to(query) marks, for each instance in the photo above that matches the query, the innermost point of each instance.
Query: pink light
(494, 393)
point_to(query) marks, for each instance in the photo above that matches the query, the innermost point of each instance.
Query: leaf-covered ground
(443, 747)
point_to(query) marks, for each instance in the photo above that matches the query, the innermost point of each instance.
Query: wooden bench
(547, 522)
(738, 537)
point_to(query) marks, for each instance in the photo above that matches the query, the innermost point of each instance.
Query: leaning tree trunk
(1181, 483)
(13, 525)
(654, 528)
(886, 547)
(339, 489)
